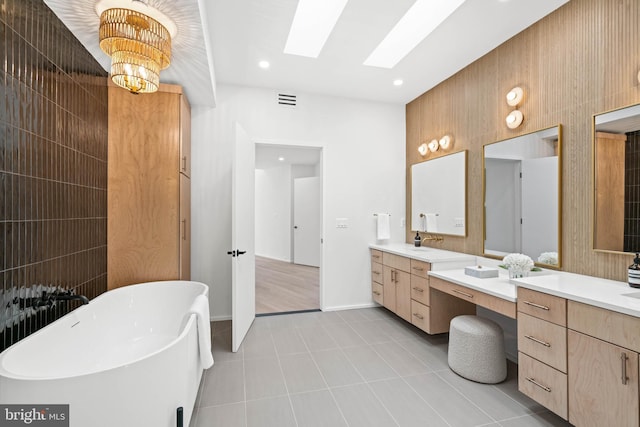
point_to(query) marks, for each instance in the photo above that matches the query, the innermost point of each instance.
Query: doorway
(288, 211)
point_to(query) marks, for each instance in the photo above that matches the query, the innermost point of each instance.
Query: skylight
(313, 22)
(419, 21)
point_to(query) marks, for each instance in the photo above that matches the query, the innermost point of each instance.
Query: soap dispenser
(417, 241)
(634, 272)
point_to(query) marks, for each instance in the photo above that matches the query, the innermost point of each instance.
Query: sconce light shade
(139, 47)
(445, 142)
(515, 95)
(433, 145)
(514, 119)
(422, 149)
(638, 76)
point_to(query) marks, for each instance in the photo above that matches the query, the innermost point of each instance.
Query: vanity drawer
(611, 326)
(491, 302)
(376, 272)
(420, 315)
(543, 384)
(543, 340)
(378, 292)
(376, 256)
(420, 289)
(420, 268)
(543, 306)
(396, 261)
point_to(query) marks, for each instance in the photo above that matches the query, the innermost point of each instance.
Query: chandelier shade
(139, 47)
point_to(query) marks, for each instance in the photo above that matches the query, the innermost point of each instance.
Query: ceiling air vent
(287, 100)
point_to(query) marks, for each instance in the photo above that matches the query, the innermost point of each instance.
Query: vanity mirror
(522, 202)
(616, 178)
(438, 195)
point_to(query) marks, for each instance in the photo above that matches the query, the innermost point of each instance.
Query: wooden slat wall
(581, 60)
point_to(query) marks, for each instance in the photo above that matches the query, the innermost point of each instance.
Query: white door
(242, 251)
(306, 221)
(539, 206)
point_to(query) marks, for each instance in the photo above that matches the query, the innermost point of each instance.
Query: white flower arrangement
(518, 262)
(550, 258)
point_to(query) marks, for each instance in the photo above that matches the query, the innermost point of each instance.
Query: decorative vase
(516, 273)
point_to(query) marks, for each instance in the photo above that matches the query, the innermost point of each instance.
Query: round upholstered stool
(476, 349)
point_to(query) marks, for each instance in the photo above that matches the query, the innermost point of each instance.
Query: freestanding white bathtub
(129, 358)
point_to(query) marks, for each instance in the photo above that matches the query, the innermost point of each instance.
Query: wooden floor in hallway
(283, 286)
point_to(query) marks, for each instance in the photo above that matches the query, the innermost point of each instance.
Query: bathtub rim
(4, 373)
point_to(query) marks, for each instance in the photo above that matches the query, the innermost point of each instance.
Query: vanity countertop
(427, 254)
(603, 293)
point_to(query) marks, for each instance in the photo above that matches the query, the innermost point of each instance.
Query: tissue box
(481, 272)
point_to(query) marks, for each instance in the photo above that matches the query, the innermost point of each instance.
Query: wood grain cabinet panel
(543, 384)
(491, 302)
(403, 295)
(420, 289)
(603, 383)
(389, 287)
(376, 256)
(542, 340)
(376, 272)
(420, 268)
(377, 291)
(543, 306)
(396, 261)
(148, 199)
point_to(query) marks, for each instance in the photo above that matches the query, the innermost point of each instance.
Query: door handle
(295, 227)
(232, 253)
(239, 252)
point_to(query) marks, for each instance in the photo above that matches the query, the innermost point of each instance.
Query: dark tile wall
(53, 168)
(632, 193)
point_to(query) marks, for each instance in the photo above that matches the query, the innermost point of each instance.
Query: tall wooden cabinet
(149, 187)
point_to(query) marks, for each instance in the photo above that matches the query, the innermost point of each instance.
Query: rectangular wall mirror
(616, 172)
(438, 195)
(522, 196)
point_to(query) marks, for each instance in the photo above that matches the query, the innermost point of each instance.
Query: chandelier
(139, 47)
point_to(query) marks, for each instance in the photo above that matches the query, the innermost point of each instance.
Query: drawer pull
(376, 292)
(418, 268)
(463, 293)
(623, 360)
(417, 289)
(419, 316)
(546, 344)
(532, 304)
(534, 382)
(376, 256)
(376, 272)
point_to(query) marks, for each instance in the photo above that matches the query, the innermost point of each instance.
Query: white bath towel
(432, 222)
(200, 308)
(384, 228)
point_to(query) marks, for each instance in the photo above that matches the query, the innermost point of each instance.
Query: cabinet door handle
(393, 275)
(419, 316)
(417, 289)
(184, 163)
(623, 362)
(532, 304)
(463, 293)
(534, 382)
(184, 229)
(546, 344)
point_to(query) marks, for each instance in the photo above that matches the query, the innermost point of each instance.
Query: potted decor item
(519, 265)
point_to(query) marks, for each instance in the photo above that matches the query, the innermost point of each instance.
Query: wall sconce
(422, 149)
(514, 98)
(139, 45)
(514, 119)
(445, 142)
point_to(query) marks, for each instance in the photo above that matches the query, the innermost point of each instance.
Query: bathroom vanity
(578, 340)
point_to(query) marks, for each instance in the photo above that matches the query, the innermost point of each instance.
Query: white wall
(363, 173)
(273, 212)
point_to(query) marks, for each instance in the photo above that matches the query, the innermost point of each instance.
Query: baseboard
(350, 307)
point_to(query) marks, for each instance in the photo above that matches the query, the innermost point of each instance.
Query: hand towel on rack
(383, 226)
(432, 222)
(200, 308)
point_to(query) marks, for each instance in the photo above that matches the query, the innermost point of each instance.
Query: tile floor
(356, 368)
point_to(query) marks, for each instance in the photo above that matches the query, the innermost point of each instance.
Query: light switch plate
(342, 222)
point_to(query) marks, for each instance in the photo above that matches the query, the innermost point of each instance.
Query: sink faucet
(70, 297)
(47, 300)
(433, 237)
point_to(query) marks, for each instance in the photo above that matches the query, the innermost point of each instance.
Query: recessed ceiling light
(419, 21)
(313, 22)
(397, 82)
(281, 159)
(264, 64)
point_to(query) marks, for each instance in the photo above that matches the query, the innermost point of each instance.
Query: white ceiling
(233, 35)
